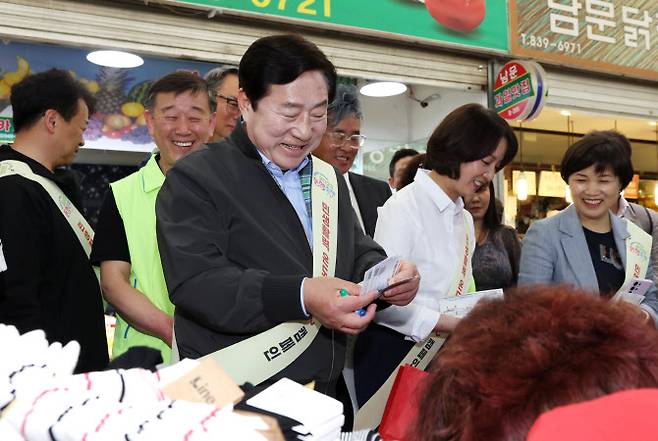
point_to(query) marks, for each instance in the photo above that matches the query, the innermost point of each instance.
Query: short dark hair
(606, 148)
(215, 77)
(402, 153)
(409, 172)
(179, 82)
(345, 103)
(468, 133)
(53, 89)
(280, 59)
(540, 347)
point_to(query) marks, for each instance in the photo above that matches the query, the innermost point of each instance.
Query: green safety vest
(135, 199)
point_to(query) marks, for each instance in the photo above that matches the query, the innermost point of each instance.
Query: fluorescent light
(655, 194)
(653, 123)
(115, 59)
(383, 88)
(565, 113)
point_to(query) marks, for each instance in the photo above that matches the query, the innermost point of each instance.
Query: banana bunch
(10, 78)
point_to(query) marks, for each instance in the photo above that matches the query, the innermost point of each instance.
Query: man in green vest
(180, 118)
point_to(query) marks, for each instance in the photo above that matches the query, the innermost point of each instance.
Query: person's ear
(50, 119)
(243, 102)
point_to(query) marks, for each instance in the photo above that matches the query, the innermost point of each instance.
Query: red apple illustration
(457, 15)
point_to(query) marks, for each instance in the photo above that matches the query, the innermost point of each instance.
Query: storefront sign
(520, 90)
(617, 36)
(6, 129)
(119, 122)
(471, 23)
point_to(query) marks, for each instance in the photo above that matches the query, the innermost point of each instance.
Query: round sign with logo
(520, 90)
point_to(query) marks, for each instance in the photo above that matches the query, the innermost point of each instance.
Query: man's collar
(152, 176)
(271, 165)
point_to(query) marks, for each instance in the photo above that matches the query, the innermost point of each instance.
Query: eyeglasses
(231, 103)
(340, 139)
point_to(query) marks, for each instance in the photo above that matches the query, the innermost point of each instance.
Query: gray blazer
(555, 251)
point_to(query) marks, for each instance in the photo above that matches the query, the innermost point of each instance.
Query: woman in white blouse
(426, 223)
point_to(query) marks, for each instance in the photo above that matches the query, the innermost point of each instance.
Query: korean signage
(615, 36)
(520, 90)
(6, 129)
(470, 23)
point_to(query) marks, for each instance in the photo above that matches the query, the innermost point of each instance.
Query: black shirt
(49, 283)
(110, 242)
(607, 262)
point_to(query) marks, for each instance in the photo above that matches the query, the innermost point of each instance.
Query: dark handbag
(402, 405)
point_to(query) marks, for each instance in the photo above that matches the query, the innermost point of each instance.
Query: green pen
(343, 293)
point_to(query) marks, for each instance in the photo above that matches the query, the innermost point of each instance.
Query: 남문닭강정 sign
(520, 90)
(615, 36)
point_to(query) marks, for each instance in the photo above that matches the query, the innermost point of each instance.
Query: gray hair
(345, 104)
(215, 77)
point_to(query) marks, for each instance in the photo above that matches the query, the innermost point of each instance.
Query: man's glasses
(231, 104)
(340, 139)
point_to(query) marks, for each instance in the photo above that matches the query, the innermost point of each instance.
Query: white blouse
(422, 224)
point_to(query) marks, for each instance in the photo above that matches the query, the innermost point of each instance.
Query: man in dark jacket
(339, 147)
(235, 230)
(47, 281)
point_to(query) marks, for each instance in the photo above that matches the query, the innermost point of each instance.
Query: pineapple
(112, 83)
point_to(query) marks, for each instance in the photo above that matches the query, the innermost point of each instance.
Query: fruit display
(8, 79)
(118, 115)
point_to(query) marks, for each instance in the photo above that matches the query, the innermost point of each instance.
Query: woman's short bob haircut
(604, 149)
(468, 133)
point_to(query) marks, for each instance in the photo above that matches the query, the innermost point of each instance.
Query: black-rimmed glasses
(231, 103)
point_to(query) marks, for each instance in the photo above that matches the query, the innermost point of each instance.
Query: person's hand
(322, 299)
(446, 323)
(404, 293)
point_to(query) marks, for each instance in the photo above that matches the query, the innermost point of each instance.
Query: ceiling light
(522, 187)
(115, 59)
(653, 123)
(383, 88)
(565, 113)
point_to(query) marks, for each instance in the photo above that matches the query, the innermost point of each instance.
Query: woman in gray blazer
(585, 244)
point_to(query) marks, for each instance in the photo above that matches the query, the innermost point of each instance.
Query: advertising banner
(614, 36)
(118, 123)
(467, 23)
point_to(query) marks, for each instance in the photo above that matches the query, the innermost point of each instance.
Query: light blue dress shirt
(291, 186)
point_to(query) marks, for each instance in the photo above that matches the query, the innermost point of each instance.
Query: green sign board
(472, 23)
(6, 129)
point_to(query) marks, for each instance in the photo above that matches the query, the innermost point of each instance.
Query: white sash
(638, 252)
(78, 223)
(370, 414)
(262, 356)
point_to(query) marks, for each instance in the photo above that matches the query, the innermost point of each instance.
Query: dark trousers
(378, 351)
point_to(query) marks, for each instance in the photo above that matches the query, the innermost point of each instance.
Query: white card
(377, 277)
(459, 306)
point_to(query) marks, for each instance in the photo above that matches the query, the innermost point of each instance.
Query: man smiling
(180, 120)
(247, 229)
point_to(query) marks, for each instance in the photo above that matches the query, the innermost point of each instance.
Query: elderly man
(46, 279)
(256, 237)
(339, 147)
(223, 85)
(180, 119)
